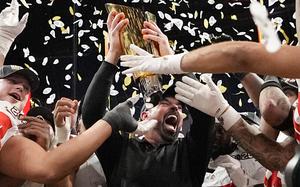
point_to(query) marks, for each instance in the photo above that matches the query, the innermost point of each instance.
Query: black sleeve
(200, 141)
(95, 100)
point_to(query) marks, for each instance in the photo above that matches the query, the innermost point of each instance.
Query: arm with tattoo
(269, 153)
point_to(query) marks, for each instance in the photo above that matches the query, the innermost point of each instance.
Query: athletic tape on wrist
(62, 134)
(229, 118)
(176, 66)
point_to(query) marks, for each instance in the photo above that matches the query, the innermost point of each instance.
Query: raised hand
(116, 23)
(206, 98)
(120, 118)
(64, 115)
(169, 64)
(152, 32)
(10, 26)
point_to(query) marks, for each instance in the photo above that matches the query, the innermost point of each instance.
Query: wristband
(229, 117)
(175, 65)
(63, 133)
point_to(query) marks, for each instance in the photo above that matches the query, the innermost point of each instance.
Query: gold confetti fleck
(79, 77)
(205, 23)
(222, 88)
(196, 14)
(71, 11)
(56, 18)
(240, 103)
(124, 87)
(234, 17)
(165, 86)
(127, 81)
(222, 15)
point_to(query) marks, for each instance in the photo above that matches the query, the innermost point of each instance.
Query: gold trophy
(149, 83)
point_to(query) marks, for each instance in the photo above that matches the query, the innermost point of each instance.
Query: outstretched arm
(236, 56)
(24, 159)
(243, 57)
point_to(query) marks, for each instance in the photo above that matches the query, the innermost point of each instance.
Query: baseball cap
(44, 112)
(289, 84)
(7, 70)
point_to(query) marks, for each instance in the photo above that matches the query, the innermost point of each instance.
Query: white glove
(206, 98)
(260, 17)
(233, 168)
(169, 64)
(63, 133)
(10, 26)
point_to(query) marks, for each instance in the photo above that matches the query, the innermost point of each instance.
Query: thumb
(139, 50)
(210, 83)
(24, 19)
(132, 101)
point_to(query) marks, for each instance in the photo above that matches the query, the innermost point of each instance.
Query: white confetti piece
(67, 86)
(67, 77)
(52, 33)
(219, 6)
(77, 14)
(26, 52)
(100, 23)
(45, 61)
(46, 38)
(25, 3)
(31, 58)
(56, 61)
(68, 67)
(47, 90)
(51, 99)
(58, 23)
(211, 2)
(93, 38)
(100, 58)
(85, 47)
(47, 80)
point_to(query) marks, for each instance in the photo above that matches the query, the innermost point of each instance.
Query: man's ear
(144, 115)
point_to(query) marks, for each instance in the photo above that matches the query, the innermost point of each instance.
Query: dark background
(66, 67)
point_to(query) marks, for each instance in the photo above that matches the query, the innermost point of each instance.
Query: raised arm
(10, 27)
(209, 99)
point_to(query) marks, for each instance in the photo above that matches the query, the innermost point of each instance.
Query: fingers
(110, 18)
(131, 70)
(63, 108)
(192, 82)
(139, 51)
(116, 20)
(182, 87)
(133, 100)
(152, 26)
(134, 58)
(183, 99)
(207, 79)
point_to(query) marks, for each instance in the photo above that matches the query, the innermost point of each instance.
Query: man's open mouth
(172, 121)
(15, 96)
